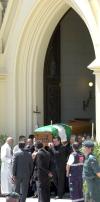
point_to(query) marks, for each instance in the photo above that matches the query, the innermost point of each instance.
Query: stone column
(1, 10)
(95, 66)
(97, 92)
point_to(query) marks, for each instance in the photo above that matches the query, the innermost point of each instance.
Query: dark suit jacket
(42, 166)
(22, 164)
(59, 157)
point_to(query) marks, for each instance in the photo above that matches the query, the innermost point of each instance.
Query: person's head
(29, 142)
(88, 147)
(22, 138)
(56, 141)
(38, 145)
(79, 139)
(75, 146)
(31, 136)
(22, 141)
(10, 141)
(72, 139)
(21, 144)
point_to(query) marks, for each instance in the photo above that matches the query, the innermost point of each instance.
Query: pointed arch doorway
(66, 73)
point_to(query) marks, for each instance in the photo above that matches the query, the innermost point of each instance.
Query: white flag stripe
(61, 131)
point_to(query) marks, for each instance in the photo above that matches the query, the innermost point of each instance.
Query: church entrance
(66, 77)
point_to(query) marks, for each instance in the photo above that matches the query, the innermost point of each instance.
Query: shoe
(35, 196)
(58, 197)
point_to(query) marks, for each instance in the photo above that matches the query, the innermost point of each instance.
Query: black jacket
(22, 164)
(42, 166)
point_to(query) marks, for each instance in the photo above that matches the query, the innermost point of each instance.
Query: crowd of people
(32, 169)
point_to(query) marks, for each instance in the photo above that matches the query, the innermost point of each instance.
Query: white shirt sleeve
(70, 160)
(6, 153)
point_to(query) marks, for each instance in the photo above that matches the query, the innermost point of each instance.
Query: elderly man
(91, 171)
(6, 166)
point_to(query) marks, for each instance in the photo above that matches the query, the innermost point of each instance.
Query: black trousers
(43, 192)
(59, 178)
(22, 188)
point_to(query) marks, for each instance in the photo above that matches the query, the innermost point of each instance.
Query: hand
(34, 155)
(13, 179)
(50, 174)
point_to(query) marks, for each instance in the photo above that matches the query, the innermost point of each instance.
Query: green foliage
(96, 151)
(85, 187)
(3, 138)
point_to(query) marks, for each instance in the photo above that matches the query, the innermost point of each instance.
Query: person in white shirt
(6, 167)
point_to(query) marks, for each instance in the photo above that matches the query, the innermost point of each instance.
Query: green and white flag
(62, 130)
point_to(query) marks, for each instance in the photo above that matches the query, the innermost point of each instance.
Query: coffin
(80, 126)
(46, 133)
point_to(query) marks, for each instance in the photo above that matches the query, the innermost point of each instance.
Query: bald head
(9, 141)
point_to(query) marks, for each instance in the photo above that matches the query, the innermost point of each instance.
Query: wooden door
(52, 80)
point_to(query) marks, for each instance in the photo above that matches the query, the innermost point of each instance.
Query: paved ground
(36, 200)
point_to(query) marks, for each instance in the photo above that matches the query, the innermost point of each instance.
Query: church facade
(25, 33)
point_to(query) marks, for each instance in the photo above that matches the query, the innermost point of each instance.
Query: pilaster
(95, 66)
(1, 10)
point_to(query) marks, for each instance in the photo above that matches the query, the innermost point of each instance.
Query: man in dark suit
(22, 170)
(42, 172)
(59, 156)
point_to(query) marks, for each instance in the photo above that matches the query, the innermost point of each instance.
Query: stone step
(36, 200)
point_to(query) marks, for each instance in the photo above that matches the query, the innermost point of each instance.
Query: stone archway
(30, 59)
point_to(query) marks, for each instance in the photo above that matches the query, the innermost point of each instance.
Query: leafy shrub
(96, 151)
(3, 138)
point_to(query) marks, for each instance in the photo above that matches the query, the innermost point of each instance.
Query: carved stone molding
(3, 76)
